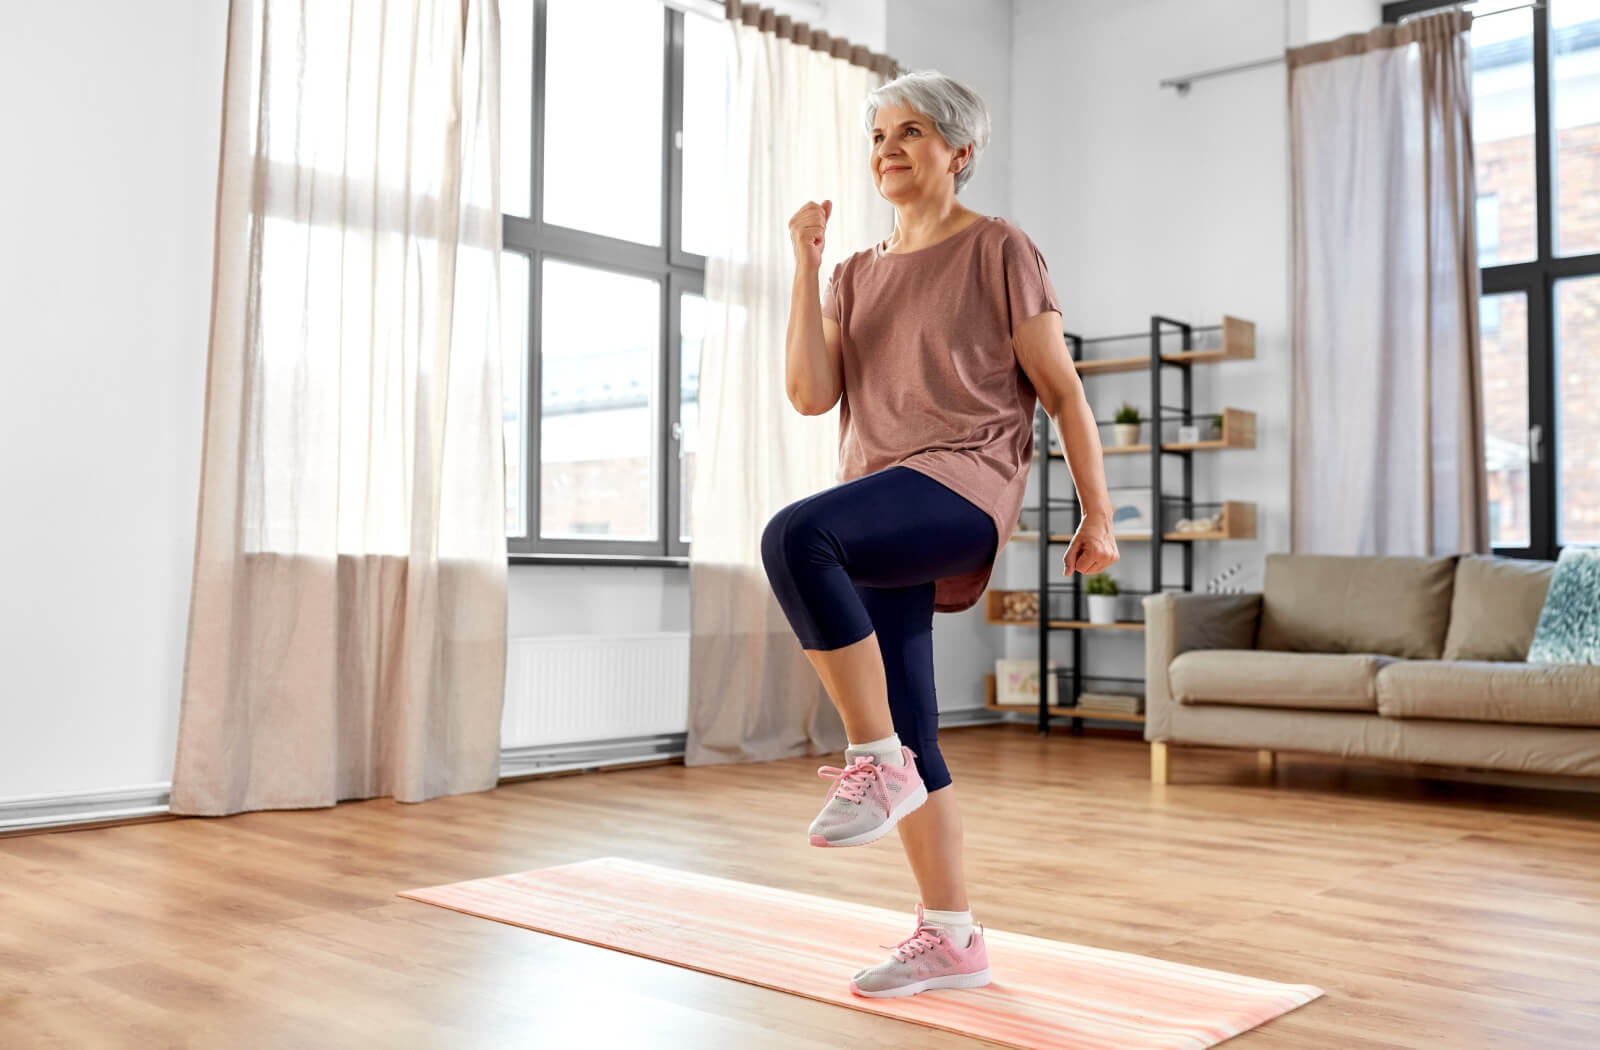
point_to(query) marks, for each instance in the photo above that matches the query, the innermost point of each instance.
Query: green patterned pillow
(1569, 623)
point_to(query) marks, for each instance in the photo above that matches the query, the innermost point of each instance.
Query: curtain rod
(1182, 83)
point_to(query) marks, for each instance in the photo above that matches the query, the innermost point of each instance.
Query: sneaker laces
(853, 781)
(925, 939)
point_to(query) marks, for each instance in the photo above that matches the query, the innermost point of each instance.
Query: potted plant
(1216, 427)
(1127, 425)
(1103, 591)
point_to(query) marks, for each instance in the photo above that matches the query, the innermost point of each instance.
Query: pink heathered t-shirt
(931, 380)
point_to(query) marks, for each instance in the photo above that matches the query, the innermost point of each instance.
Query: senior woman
(936, 343)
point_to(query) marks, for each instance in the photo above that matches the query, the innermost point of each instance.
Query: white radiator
(571, 688)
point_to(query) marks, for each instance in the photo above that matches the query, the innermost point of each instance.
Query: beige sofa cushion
(1252, 677)
(1329, 603)
(1482, 691)
(1496, 607)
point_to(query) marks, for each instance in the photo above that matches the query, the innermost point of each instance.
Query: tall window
(608, 214)
(1536, 133)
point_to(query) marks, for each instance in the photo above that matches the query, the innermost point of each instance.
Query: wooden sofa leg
(1158, 762)
(1266, 763)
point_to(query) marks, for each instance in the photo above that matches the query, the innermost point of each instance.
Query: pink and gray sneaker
(926, 960)
(867, 799)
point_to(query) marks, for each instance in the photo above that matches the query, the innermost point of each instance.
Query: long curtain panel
(1387, 403)
(796, 136)
(347, 622)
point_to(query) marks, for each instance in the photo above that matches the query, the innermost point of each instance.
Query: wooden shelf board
(1070, 712)
(1238, 344)
(1238, 523)
(1238, 431)
(1142, 363)
(1120, 625)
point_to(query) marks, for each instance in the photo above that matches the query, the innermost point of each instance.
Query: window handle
(677, 430)
(1535, 442)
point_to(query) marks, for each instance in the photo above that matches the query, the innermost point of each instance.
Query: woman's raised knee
(775, 541)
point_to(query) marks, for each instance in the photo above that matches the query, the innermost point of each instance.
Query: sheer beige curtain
(796, 135)
(1387, 422)
(347, 622)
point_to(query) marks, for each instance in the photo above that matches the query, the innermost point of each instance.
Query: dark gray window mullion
(535, 363)
(1541, 331)
(1541, 412)
(672, 358)
(671, 110)
(535, 369)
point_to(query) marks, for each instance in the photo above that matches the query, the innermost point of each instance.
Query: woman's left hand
(1093, 547)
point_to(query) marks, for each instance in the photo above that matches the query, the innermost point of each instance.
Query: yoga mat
(1045, 995)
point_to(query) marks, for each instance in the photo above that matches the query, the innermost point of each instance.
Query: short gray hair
(958, 114)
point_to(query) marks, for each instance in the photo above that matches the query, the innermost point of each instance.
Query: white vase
(1102, 608)
(1127, 434)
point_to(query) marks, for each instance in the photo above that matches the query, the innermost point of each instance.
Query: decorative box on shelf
(1022, 608)
(1012, 606)
(1017, 682)
(1220, 520)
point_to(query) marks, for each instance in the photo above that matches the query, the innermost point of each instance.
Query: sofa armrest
(1178, 622)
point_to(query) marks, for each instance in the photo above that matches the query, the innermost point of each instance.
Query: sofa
(1405, 659)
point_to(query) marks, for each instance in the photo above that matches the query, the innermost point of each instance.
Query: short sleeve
(831, 309)
(1029, 292)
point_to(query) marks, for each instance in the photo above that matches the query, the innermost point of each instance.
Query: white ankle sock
(885, 752)
(958, 924)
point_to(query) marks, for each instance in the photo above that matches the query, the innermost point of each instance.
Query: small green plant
(1127, 414)
(1102, 583)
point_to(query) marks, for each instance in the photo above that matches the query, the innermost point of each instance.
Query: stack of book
(1116, 703)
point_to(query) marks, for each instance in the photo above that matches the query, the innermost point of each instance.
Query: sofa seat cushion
(1491, 691)
(1261, 678)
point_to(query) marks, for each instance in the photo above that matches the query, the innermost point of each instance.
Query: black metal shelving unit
(1073, 677)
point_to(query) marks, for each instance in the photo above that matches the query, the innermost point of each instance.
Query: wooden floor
(1434, 914)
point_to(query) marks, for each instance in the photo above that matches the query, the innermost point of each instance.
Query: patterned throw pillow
(1569, 623)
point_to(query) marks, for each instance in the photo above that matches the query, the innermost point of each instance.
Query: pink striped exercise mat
(1045, 995)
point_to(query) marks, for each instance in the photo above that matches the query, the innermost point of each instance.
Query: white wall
(112, 121)
(971, 41)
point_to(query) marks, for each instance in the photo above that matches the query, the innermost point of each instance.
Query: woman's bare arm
(813, 376)
(813, 372)
(1042, 354)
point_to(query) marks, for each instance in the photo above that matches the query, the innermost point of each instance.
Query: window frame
(679, 273)
(1536, 279)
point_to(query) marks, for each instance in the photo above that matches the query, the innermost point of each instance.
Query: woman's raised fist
(806, 230)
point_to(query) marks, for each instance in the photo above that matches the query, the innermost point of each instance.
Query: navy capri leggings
(863, 557)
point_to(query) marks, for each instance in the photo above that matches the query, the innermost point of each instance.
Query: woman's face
(910, 161)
